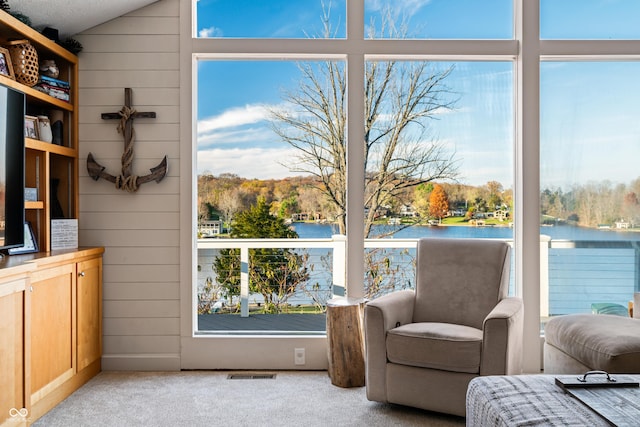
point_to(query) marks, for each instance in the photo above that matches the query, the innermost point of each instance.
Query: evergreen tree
(273, 273)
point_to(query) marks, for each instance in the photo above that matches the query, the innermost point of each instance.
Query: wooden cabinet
(89, 312)
(51, 328)
(51, 169)
(66, 325)
(14, 285)
(52, 319)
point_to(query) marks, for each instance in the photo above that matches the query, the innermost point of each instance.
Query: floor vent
(251, 376)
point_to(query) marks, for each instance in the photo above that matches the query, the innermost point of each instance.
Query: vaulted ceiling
(71, 17)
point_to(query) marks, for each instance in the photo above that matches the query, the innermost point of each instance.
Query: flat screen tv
(12, 159)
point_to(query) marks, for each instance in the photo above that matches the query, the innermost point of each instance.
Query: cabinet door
(12, 349)
(52, 314)
(89, 312)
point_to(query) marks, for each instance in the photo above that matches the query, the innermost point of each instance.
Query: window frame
(527, 50)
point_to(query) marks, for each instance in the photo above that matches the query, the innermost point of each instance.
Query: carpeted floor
(209, 398)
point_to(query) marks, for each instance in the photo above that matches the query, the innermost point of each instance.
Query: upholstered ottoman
(577, 343)
(525, 400)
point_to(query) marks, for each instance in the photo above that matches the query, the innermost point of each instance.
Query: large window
(271, 19)
(254, 184)
(588, 141)
(589, 19)
(590, 184)
(439, 19)
(535, 134)
(274, 131)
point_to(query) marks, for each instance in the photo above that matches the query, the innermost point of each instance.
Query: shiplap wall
(140, 231)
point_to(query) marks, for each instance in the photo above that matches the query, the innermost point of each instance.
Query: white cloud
(245, 127)
(210, 32)
(234, 137)
(248, 163)
(234, 117)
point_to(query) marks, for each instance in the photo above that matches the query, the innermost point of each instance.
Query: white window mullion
(610, 50)
(355, 149)
(355, 176)
(527, 177)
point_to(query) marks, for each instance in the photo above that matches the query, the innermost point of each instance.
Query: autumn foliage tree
(438, 202)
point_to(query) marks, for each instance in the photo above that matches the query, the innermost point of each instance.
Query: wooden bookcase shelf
(45, 147)
(51, 300)
(51, 169)
(36, 96)
(38, 204)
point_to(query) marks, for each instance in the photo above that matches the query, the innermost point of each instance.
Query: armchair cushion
(443, 346)
(460, 280)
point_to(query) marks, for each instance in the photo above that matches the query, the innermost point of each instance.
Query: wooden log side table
(345, 339)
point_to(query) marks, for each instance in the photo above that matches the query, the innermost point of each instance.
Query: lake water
(562, 232)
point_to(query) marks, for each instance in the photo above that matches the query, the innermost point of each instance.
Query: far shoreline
(490, 225)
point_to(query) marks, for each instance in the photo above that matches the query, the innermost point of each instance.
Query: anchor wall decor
(126, 181)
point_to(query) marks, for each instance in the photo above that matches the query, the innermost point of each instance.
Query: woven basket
(25, 62)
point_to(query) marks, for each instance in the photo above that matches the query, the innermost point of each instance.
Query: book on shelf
(53, 82)
(56, 92)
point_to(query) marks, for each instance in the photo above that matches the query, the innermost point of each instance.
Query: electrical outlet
(298, 356)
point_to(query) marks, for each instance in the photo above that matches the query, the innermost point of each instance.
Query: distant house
(622, 224)
(300, 216)
(501, 214)
(210, 228)
(306, 216)
(408, 211)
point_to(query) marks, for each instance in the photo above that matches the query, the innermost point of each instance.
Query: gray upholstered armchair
(424, 346)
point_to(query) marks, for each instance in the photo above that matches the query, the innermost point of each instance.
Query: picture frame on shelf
(6, 68)
(30, 243)
(31, 127)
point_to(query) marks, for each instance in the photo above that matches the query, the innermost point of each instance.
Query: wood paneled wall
(140, 231)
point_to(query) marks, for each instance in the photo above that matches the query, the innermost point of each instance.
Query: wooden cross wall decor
(127, 181)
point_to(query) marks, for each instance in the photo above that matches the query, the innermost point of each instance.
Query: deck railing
(573, 274)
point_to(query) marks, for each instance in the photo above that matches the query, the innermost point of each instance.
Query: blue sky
(233, 96)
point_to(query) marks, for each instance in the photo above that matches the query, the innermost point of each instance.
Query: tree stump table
(345, 336)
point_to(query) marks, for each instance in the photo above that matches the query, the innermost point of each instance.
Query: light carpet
(209, 398)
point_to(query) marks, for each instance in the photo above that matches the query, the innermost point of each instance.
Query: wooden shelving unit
(52, 169)
(50, 301)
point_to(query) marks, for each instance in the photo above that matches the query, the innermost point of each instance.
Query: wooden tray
(616, 398)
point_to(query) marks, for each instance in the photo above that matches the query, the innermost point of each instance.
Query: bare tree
(231, 201)
(400, 99)
(494, 199)
(630, 207)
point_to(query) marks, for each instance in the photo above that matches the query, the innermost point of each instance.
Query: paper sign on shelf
(64, 233)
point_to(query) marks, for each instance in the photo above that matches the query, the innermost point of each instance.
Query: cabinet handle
(81, 274)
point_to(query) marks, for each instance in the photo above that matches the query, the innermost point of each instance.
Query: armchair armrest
(393, 308)
(380, 315)
(502, 338)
